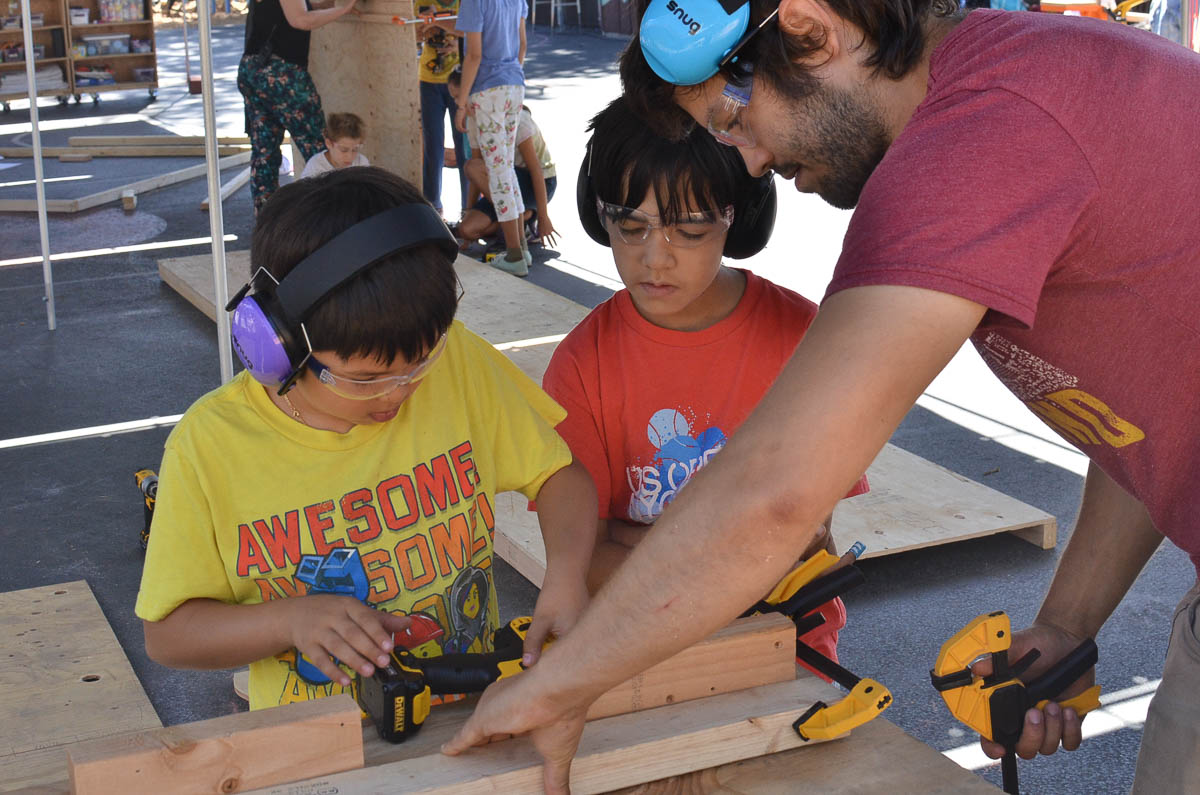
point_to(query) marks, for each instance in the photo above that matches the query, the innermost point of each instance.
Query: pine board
(228, 754)
(619, 751)
(55, 640)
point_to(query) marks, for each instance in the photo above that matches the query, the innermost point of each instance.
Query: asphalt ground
(127, 347)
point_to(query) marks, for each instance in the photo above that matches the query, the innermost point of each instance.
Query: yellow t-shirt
(254, 506)
(437, 60)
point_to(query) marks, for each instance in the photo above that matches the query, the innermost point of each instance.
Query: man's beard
(838, 130)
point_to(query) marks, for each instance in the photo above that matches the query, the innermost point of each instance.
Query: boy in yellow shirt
(355, 462)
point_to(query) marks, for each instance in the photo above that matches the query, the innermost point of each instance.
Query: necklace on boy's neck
(295, 411)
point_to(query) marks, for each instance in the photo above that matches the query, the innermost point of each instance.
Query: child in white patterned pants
(493, 80)
(496, 113)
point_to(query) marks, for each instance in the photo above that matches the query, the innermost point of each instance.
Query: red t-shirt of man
(647, 407)
(1052, 173)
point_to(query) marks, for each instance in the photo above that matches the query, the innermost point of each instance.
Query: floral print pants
(497, 111)
(279, 96)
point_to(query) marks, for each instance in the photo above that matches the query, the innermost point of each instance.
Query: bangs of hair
(694, 174)
(399, 306)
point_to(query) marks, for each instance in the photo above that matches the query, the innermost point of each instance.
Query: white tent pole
(216, 220)
(38, 173)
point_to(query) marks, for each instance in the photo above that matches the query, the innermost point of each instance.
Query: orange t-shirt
(647, 407)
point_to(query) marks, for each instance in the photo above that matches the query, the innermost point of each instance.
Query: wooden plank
(371, 70)
(160, 181)
(877, 757)
(158, 140)
(764, 648)
(231, 187)
(30, 205)
(63, 679)
(227, 754)
(119, 151)
(619, 751)
(74, 157)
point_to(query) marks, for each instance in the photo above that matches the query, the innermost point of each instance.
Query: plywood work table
(63, 679)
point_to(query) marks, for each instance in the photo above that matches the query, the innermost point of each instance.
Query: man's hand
(515, 706)
(1045, 729)
(321, 625)
(559, 605)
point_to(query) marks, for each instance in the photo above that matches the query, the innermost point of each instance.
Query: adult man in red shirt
(992, 195)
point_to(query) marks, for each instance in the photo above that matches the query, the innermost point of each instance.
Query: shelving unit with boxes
(111, 46)
(53, 76)
(80, 47)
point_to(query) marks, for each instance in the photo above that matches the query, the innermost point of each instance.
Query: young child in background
(344, 136)
(493, 82)
(365, 454)
(655, 379)
(536, 177)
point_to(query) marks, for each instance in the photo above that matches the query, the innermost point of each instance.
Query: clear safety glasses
(727, 118)
(353, 389)
(633, 226)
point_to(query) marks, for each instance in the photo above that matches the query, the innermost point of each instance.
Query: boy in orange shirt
(656, 378)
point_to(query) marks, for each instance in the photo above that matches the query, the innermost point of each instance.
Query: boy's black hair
(695, 174)
(401, 305)
(895, 30)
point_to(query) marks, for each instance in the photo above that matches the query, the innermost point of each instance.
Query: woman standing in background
(280, 95)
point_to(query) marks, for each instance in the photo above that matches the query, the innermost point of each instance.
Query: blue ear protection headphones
(268, 326)
(687, 41)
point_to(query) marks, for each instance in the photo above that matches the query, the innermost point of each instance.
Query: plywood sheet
(63, 679)
(619, 751)
(370, 69)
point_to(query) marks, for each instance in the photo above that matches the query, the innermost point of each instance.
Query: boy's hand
(559, 606)
(321, 625)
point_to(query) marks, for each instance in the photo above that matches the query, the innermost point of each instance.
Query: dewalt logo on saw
(677, 10)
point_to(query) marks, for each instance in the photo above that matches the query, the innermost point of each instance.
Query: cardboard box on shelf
(80, 16)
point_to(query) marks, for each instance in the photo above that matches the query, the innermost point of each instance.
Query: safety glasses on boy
(633, 227)
(369, 389)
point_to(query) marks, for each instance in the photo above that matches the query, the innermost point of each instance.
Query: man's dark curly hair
(895, 30)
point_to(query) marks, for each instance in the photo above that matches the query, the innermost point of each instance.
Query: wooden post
(370, 69)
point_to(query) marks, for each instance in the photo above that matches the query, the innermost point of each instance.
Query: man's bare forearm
(1113, 538)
